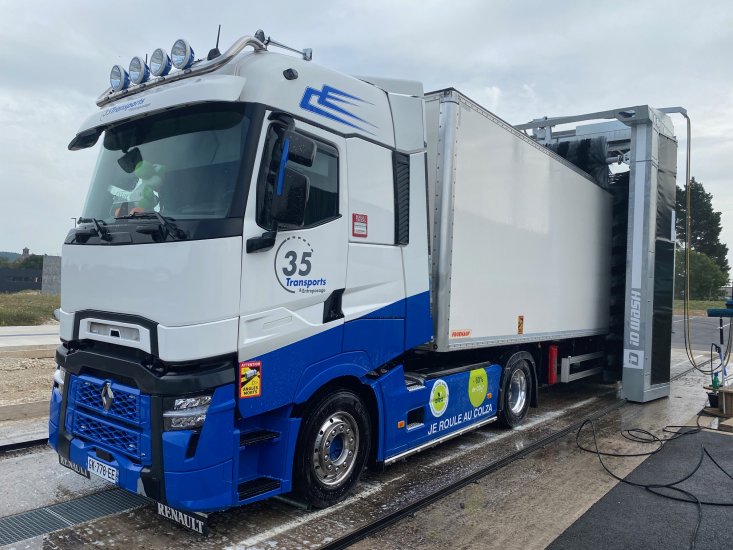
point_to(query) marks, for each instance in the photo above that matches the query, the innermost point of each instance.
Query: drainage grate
(42, 521)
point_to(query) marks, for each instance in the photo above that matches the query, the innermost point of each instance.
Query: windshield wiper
(99, 229)
(166, 227)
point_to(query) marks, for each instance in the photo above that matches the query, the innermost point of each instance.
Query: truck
(283, 274)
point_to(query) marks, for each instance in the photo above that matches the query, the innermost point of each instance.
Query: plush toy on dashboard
(144, 196)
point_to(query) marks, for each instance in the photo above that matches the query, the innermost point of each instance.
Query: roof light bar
(202, 67)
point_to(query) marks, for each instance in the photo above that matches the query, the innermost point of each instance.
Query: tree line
(33, 261)
(709, 269)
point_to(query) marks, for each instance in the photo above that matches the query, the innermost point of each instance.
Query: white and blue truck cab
(283, 273)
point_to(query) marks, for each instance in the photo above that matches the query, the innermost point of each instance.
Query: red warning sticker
(250, 379)
(359, 225)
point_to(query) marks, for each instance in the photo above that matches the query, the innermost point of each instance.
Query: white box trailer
(520, 237)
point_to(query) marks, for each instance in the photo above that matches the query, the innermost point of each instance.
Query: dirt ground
(25, 380)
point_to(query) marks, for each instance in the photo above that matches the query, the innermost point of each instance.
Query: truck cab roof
(347, 105)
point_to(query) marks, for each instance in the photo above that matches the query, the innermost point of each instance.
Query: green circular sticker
(439, 398)
(478, 386)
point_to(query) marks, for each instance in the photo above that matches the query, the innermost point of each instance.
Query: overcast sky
(521, 60)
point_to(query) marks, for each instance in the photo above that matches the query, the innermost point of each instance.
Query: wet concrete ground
(33, 478)
(527, 504)
(530, 502)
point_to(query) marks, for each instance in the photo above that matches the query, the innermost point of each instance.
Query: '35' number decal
(294, 262)
(305, 264)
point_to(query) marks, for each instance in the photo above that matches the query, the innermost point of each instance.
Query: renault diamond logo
(108, 396)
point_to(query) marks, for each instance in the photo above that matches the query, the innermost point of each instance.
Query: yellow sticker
(250, 379)
(520, 324)
(478, 387)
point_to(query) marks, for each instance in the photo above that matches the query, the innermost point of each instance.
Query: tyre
(516, 389)
(333, 446)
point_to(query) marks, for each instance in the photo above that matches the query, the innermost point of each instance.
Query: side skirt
(438, 441)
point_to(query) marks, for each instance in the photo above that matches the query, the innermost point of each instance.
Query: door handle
(264, 242)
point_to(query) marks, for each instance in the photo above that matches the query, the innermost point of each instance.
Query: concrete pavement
(29, 336)
(29, 342)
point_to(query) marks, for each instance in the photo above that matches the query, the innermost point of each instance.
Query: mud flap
(193, 521)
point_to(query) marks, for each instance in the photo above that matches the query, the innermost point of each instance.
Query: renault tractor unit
(283, 274)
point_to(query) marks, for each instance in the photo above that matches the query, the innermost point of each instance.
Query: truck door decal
(293, 265)
(327, 100)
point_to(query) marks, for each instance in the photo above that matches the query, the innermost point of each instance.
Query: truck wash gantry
(644, 138)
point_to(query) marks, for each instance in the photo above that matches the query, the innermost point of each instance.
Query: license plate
(102, 470)
(71, 466)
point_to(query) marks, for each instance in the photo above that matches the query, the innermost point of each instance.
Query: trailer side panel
(521, 244)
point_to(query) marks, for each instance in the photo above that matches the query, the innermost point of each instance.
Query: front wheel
(333, 445)
(517, 389)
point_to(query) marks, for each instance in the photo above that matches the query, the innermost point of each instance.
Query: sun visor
(184, 92)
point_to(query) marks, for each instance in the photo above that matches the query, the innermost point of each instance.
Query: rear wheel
(517, 389)
(333, 445)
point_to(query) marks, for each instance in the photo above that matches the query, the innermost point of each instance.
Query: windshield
(185, 164)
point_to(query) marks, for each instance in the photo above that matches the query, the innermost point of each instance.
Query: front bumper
(187, 469)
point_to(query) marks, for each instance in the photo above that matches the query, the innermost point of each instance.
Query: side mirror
(291, 196)
(129, 161)
(85, 139)
(301, 150)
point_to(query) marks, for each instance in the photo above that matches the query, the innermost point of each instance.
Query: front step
(414, 381)
(258, 436)
(258, 486)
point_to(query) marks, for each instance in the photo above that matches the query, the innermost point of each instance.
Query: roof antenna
(213, 54)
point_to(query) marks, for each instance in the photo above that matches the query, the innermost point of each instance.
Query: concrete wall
(51, 275)
(15, 280)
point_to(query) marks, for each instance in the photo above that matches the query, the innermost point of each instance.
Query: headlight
(192, 402)
(188, 413)
(59, 376)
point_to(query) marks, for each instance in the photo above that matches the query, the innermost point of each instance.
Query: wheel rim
(517, 391)
(334, 453)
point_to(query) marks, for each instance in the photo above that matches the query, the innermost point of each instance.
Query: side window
(323, 199)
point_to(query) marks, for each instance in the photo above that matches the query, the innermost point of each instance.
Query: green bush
(706, 277)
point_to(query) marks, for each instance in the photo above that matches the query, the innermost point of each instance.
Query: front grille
(127, 405)
(111, 437)
(124, 428)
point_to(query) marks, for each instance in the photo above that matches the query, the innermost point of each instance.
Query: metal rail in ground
(385, 521)
(20, 445)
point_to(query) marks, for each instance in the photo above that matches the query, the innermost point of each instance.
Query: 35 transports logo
(294, 267)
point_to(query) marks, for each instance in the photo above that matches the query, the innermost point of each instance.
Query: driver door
(291, 293)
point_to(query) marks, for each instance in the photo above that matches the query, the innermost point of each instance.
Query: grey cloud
(522, 59)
